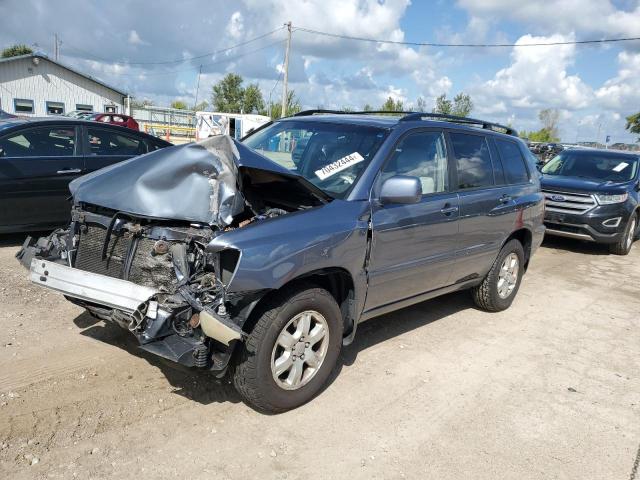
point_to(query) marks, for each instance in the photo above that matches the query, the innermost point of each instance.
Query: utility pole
(56, 47)
(286, 72)
(198, 87)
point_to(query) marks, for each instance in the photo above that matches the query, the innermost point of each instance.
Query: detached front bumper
(138, 307)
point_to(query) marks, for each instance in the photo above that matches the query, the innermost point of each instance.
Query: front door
(413, 246)
(36, 166)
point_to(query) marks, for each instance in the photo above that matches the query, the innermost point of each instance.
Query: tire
(623, 246)
(489, 295)
(253, 374)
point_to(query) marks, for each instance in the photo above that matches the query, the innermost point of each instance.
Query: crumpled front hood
(196, 182)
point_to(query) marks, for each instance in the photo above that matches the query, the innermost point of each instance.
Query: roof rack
(496, 127)
(306, 113)
(416, 116)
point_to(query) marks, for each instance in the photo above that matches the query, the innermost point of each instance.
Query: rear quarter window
(513, 163)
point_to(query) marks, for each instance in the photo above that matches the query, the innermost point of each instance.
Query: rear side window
(473, 161)
(513, 164)
(106, 142)
(421, 155)
(40, 142)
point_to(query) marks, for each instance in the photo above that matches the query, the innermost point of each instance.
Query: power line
(468, 45)
(219, 62)
(181, 60)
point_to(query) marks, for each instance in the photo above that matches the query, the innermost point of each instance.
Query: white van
(235, 124)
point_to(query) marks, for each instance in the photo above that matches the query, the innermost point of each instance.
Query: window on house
(22, 106)
(55, 108)
(83, 107)
(111, 109)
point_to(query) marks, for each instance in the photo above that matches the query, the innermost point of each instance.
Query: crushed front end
(151, 278)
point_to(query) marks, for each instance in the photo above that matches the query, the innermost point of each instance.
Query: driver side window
(421, 155)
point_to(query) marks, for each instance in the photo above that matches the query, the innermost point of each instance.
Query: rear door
(413, 246)
(36, 165)
(105, 146)
(487, 206)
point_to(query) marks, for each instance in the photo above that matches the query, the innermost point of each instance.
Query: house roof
(66, 67)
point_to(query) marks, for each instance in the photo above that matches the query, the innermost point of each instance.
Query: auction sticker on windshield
(621, 166)
(339, 165)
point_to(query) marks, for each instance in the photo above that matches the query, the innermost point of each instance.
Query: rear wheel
(499, 287)
(623, 246)
(291, 351)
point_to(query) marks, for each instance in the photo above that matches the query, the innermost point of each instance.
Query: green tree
(252, 100)
(443, 105)
(179, 104)
(201, 106)
(543, 135)
(16, 50)
(391, 105)
(421, 105)
(633, 123)
(293, 106)
(228, 94)
(367, 108)
(549, 118)
(231, 97)
(461, 105)
(145, 102)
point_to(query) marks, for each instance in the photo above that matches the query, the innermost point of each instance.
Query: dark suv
(265, 255)
(593, 195)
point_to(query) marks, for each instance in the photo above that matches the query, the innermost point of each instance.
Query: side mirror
(401, 189)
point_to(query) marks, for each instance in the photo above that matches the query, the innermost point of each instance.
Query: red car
(115, 119)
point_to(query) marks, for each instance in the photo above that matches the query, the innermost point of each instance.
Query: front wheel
(499, 287)
(291, 351)
(623, 246)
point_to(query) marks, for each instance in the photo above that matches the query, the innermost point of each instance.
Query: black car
(593, 195)
(39, 157)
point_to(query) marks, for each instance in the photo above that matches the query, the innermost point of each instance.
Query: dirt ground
(547, 389)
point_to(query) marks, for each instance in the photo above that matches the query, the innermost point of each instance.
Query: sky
(154, 50)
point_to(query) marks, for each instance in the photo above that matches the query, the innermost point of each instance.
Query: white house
(35, 85)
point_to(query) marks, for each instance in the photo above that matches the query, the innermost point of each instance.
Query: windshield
(599, 166)
(331, 156)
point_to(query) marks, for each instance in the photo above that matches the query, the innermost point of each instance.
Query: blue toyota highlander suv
(261, 257)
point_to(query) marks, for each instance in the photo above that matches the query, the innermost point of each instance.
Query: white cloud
(134, 38)
(235, 28)
(592, 16)
(622, 92)
(537, 78)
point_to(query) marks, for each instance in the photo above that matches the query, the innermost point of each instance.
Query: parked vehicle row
(39, 157)
(119, 119)
(262, 257)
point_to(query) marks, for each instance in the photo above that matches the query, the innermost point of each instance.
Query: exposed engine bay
(169, 284)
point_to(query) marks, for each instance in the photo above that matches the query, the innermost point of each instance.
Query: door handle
(505, 198)
(68, 170)
(448, 210)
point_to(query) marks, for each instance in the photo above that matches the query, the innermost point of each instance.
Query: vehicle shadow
(202, 387)
(386, 327)
(575, 246)
(16, 239)
(197, 385)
